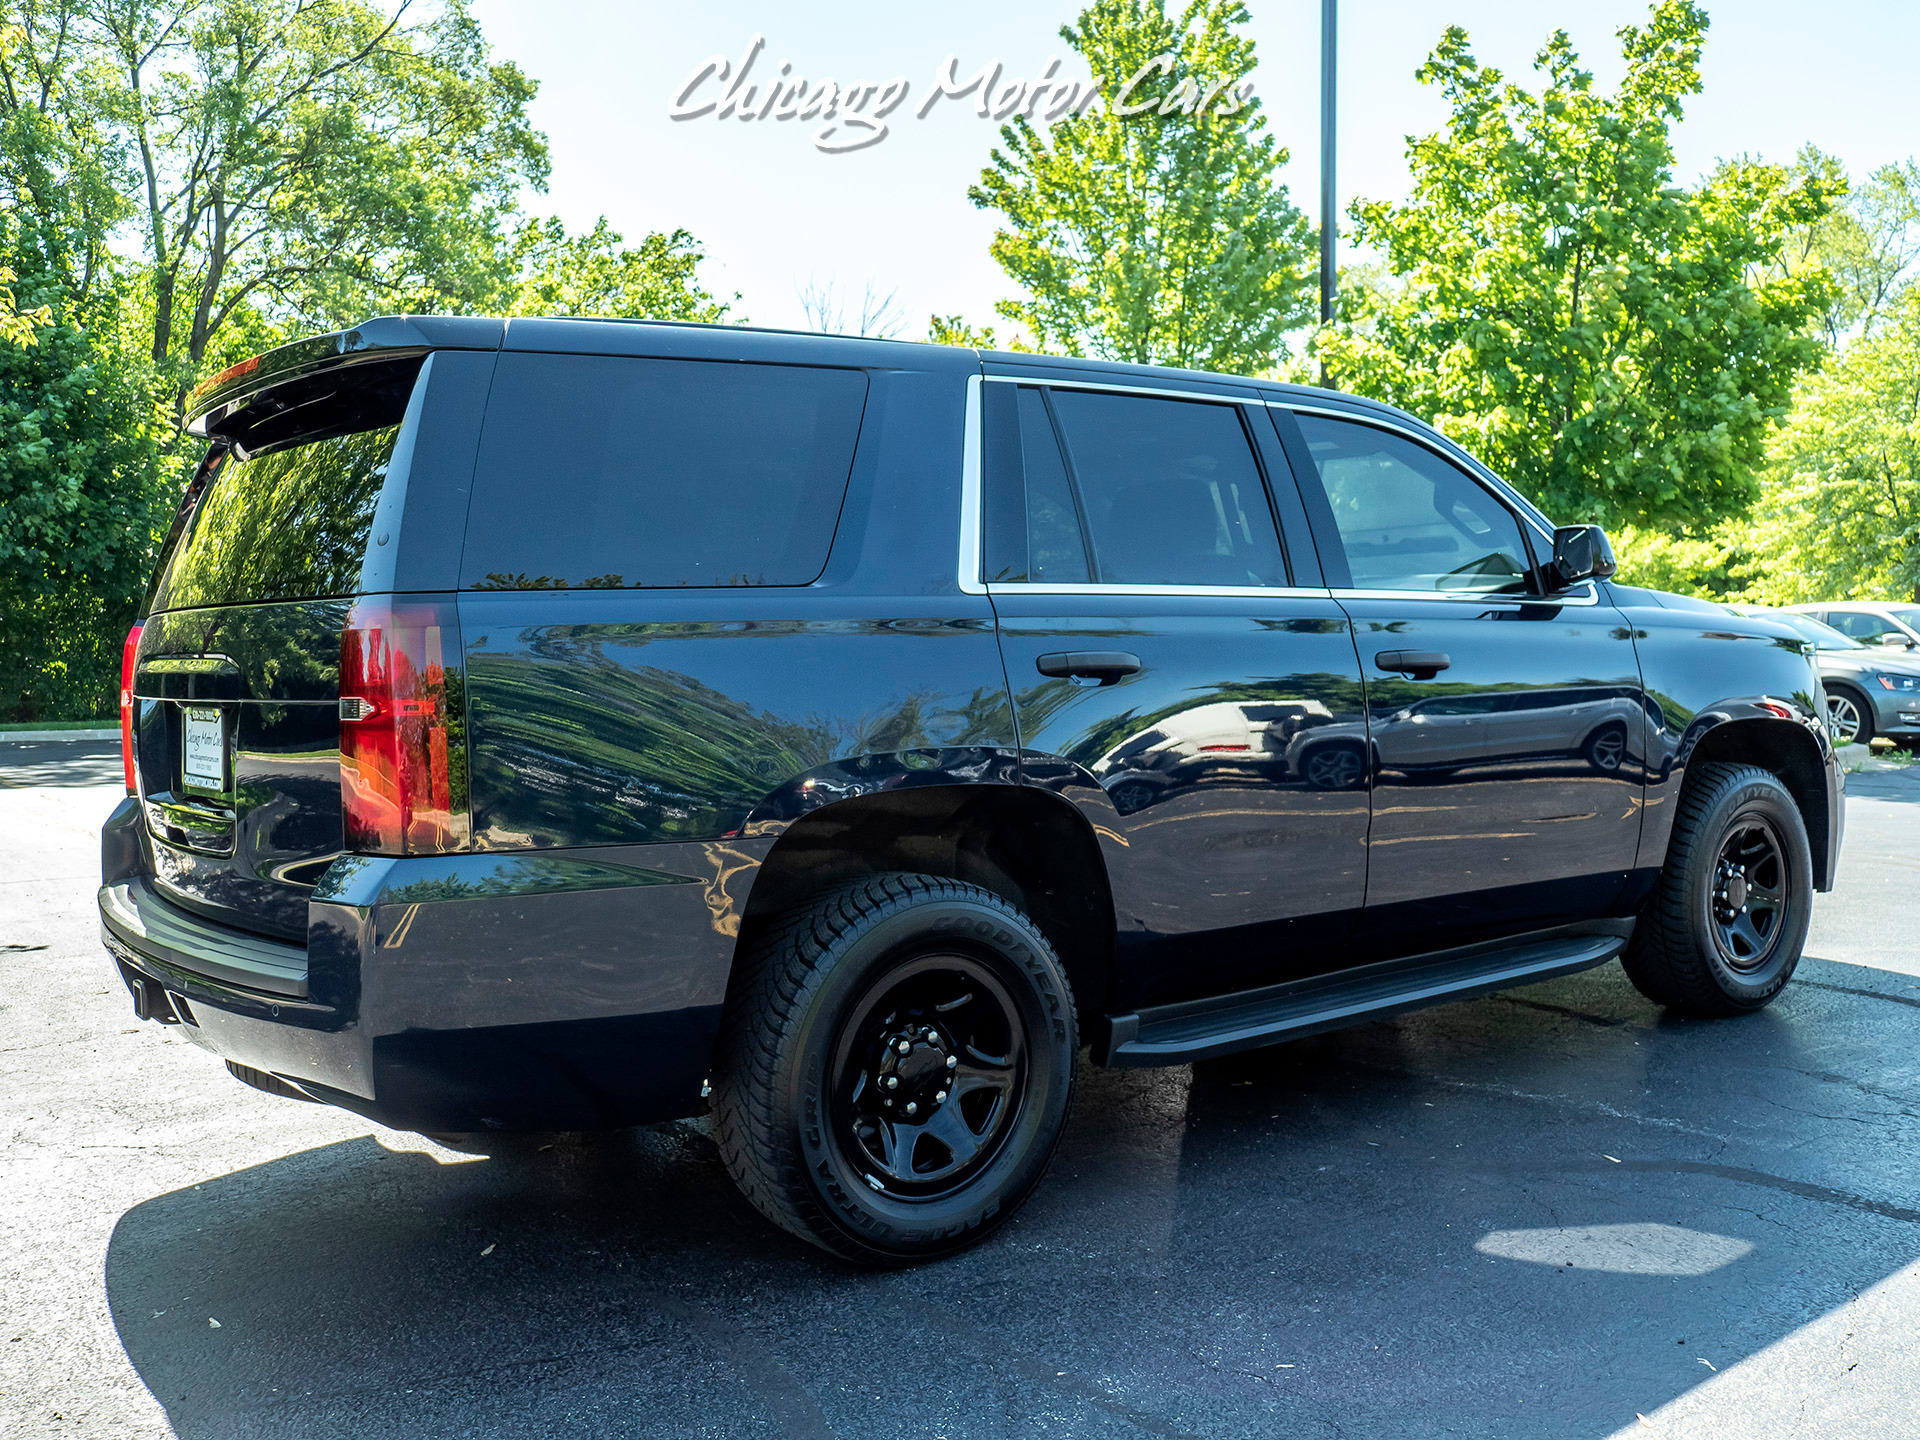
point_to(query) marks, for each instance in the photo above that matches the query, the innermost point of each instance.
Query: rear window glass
(606, 472)
(287, 525)
(1170, 491)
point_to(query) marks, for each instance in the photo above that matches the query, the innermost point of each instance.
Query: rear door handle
(1106, 666)
(1421, 664)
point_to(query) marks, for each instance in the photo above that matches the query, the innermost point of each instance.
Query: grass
(1853, 758)
(58, 725)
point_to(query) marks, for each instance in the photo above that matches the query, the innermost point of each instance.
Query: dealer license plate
(203, 755)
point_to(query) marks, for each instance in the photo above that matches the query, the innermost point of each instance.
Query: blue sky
(776, 215)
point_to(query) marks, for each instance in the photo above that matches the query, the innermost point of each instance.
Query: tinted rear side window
(610, 472)
(1170, 490)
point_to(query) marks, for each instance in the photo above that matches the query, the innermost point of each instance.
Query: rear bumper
(530, 992)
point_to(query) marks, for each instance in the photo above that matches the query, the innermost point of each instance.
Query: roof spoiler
(386, 337)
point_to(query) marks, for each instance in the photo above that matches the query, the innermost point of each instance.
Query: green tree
(85, 483)
(62, 171)
(954, 330)
(1160, 236)
(554, 273)
(1708, 565)
(17, 325)
(1840, 510)
(1604, 337)
(1868, 244)
(312, 159)
(85, 471)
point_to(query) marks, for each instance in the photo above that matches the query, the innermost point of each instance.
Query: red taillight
(403, 762)
(127, 653)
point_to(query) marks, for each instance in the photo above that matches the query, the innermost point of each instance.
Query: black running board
(1201, 1029)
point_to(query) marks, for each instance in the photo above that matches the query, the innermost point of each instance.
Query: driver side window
(1410, 521)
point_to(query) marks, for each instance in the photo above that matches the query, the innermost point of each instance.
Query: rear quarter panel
(640, 716)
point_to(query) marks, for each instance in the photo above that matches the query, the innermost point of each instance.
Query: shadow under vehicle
(561, 724)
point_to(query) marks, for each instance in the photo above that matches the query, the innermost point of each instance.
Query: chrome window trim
(1121, 386)
(1591, 596)
(970, 557)
(1224, 592)
(1504, 492)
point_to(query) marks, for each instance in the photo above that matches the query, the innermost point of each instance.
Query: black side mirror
(1580, 552)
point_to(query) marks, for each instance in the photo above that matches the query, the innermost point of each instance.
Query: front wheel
(895, 1068)
(1723, 931)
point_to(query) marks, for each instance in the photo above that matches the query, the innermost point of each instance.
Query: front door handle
(1421, 664)
(1106, 666)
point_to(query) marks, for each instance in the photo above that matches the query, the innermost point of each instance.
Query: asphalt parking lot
(1553, 1212)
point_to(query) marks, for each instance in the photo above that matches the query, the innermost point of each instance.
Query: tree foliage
(1840, 515)
(84, 485)
(1603, 336)
(324, 158)
(17, 326)
(1159, 237)
(553, 273)
(1868, 244)
(954, 330)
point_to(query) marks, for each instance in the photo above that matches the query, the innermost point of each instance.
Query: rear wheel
(896, 1068)
(1850, 717)
(1723, 931)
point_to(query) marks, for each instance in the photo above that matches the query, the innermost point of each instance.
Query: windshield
(1824, 637)
(1907, 615)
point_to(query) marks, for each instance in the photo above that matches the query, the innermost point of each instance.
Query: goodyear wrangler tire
(895, 1068)
(1723, 930)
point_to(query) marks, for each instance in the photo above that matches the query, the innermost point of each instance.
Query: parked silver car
(1871, 622)
(1871, 689)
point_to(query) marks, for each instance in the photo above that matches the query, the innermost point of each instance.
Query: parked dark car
(1872, 689)
(558, 724)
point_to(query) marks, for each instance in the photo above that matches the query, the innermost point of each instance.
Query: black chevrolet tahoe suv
(561, 724)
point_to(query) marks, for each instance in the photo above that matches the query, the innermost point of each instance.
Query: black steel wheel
(1723, 930)
(895, 1068)
(1751, 892)
(1849, 717)
(927, 1077)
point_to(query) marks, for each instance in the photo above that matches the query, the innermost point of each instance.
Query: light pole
(1329, 227)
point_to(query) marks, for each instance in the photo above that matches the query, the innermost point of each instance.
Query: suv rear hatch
(236, 679)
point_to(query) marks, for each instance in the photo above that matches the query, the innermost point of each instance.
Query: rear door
(237, 675)
(1507, 725)
(1171, 678)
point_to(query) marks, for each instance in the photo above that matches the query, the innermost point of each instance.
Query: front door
(1507, 729)
(1201, 710)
